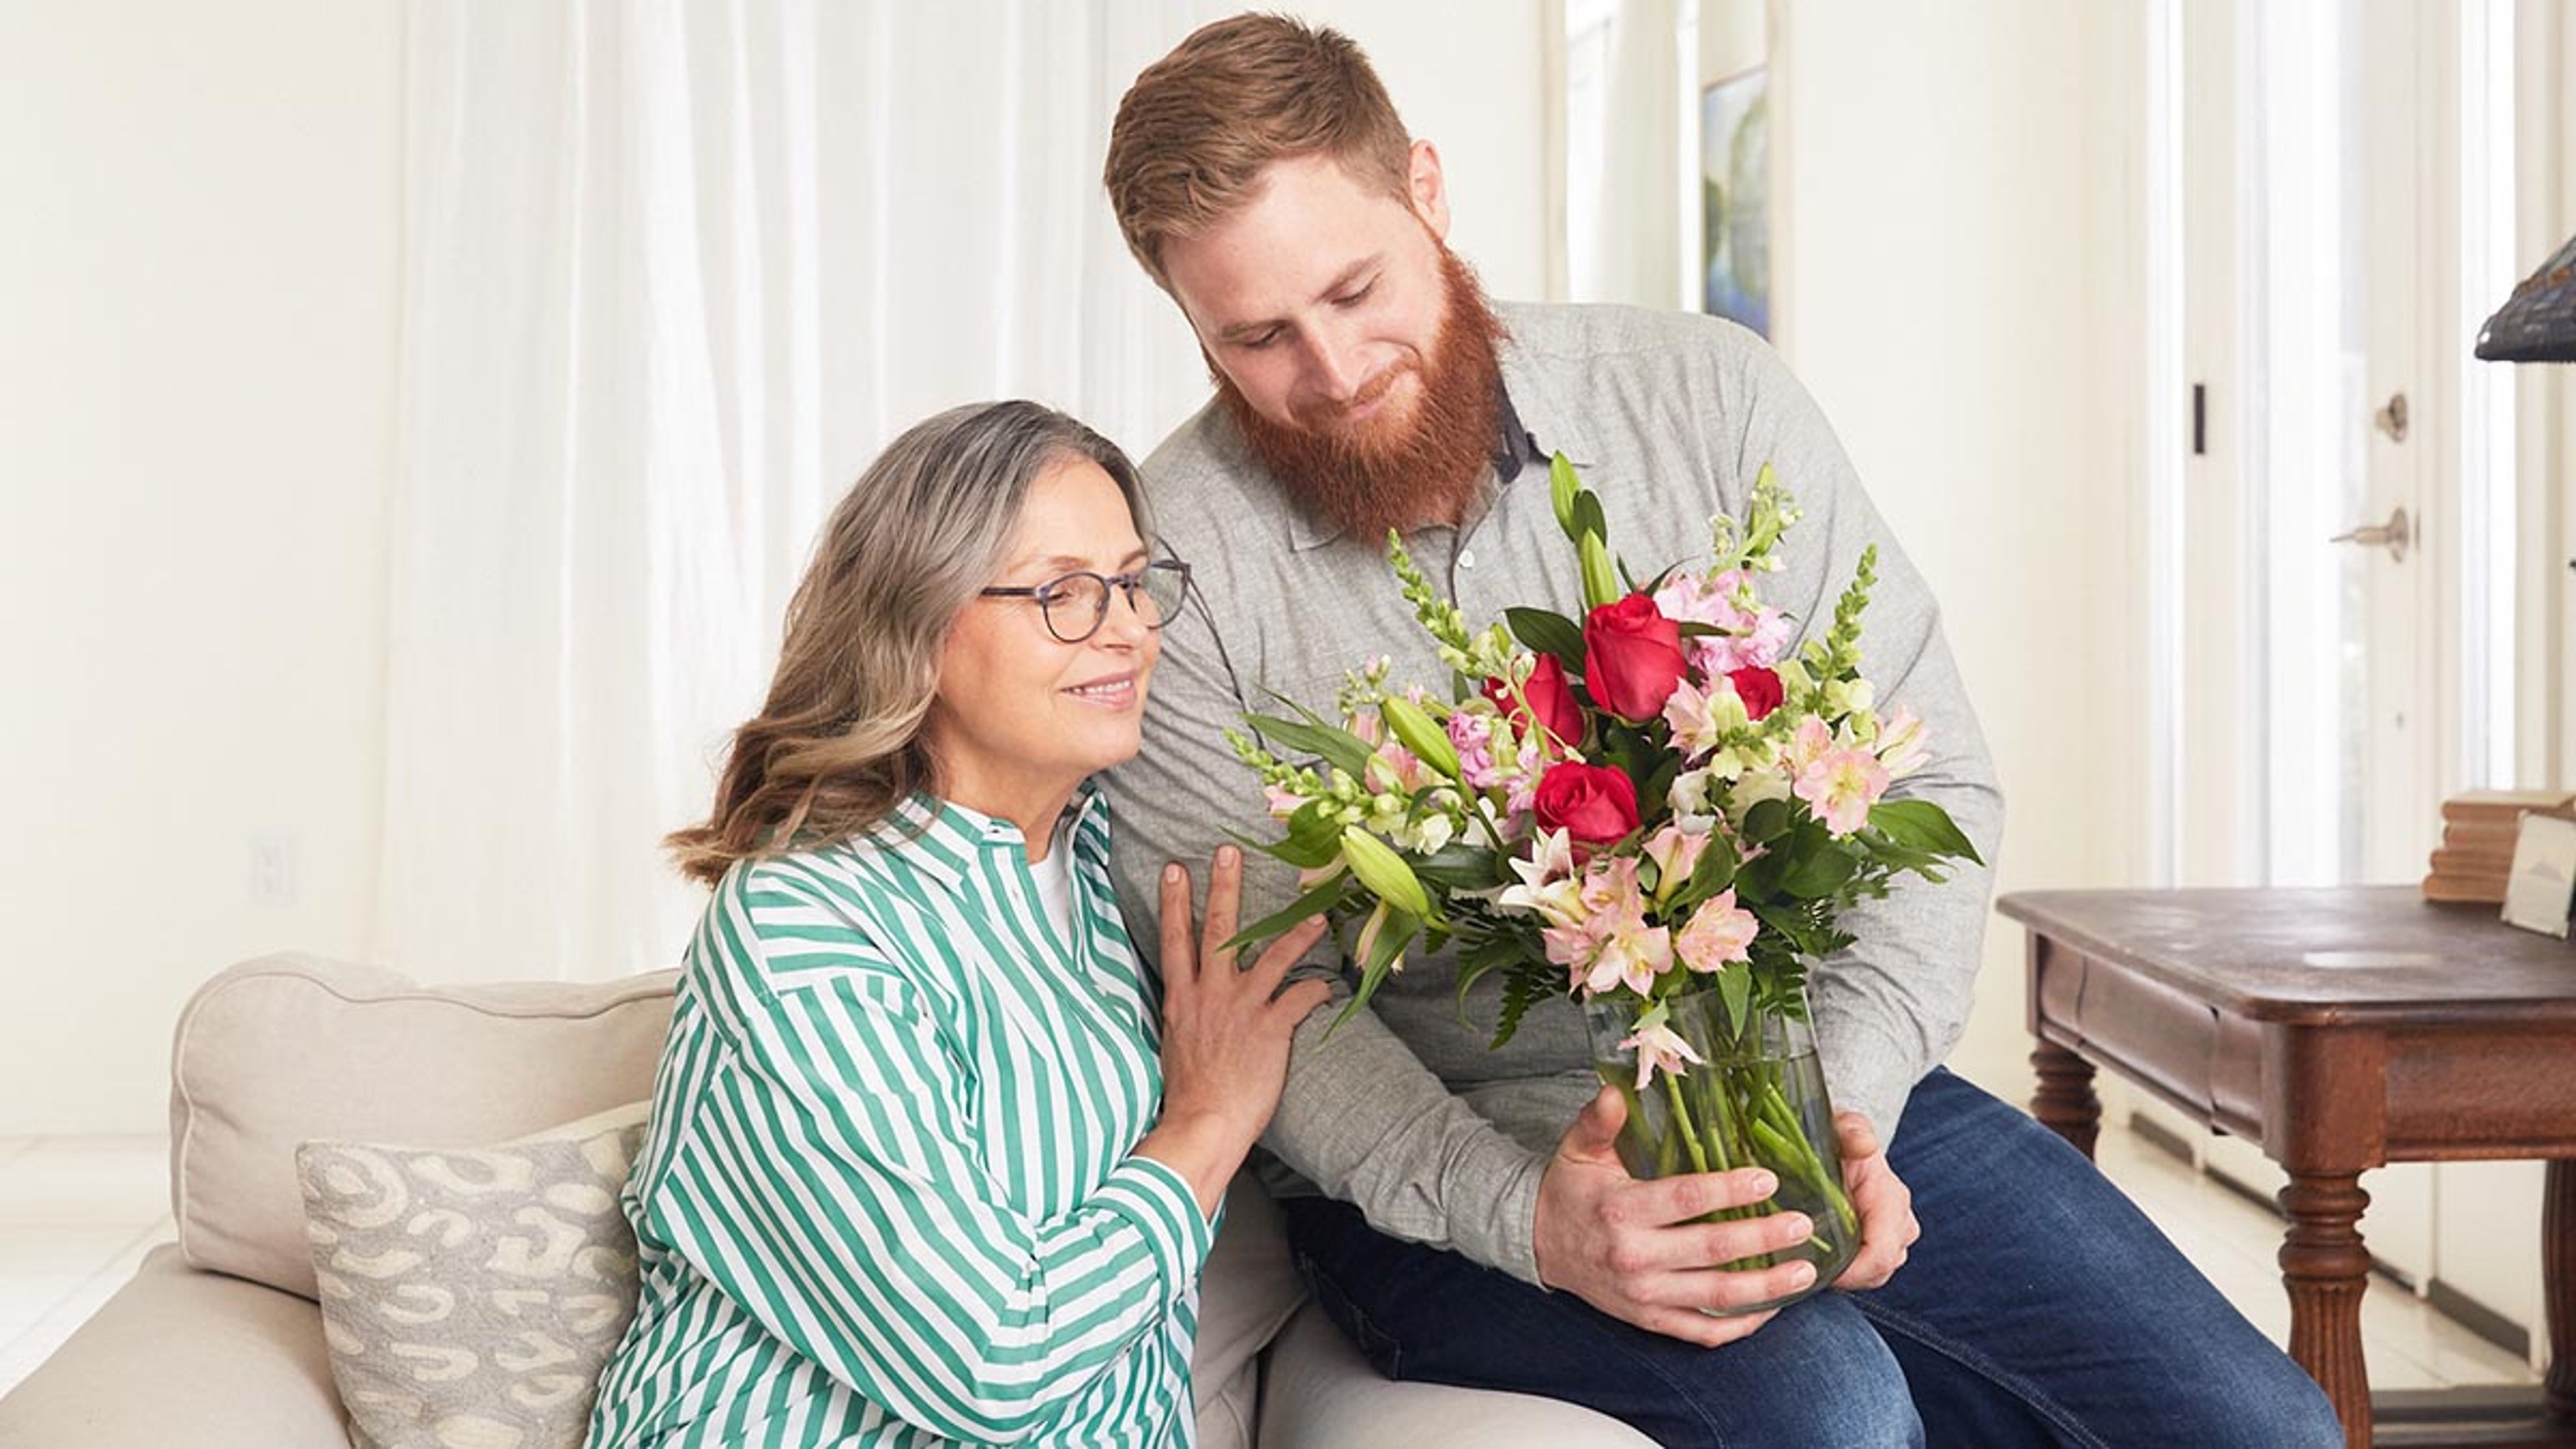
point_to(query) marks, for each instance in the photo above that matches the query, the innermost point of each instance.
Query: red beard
(1397, 473)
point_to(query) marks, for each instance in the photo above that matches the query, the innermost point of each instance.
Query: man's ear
(1428, 192)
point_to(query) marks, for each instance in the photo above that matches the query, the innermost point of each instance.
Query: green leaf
(1342, 749)
(1319, 901)
(1735, 990)
(1820, 874)
(1303, 854)
(1459, 866)
(1588, 517)
(1923, 825)
(1714, 873)
(1522, 989)
(1548, 632)
(1392, 938)
(1767, 821)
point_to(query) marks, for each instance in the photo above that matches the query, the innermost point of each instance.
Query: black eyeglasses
(1076, 605)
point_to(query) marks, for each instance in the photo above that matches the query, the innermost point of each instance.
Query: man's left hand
(1883, 1201)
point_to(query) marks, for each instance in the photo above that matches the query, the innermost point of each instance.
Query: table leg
(2065, 1103)
(2558, 1284)
(2325, 1268)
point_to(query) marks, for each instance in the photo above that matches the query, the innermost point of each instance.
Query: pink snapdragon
(1746, 638)
(1471, 734)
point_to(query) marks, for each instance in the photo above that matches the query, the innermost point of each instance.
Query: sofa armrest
(180, 1356)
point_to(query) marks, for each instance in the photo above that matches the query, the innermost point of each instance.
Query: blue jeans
(2039, 1308)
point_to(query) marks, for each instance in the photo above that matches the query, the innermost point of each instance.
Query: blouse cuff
(1158, 1200)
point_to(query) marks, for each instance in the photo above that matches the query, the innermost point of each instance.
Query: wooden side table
(2340, 1030)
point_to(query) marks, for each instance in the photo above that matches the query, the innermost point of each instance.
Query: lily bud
(1413, 727)
(1385, 873)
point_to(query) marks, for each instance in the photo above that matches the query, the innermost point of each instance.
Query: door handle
(2391, 418)
(2394, 535)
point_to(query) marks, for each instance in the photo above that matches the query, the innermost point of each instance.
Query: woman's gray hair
(838, 744)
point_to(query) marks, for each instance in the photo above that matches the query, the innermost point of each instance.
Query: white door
(2332, 498)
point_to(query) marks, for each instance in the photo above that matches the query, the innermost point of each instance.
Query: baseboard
(2488, 1324)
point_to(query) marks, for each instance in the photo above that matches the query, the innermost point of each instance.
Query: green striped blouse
(888, 1196)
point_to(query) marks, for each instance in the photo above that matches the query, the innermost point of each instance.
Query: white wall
(200, 286)
(1952, 187)
(198, 280)
(1468, 81)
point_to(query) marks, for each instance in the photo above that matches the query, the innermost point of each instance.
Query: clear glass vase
(1757, 1099)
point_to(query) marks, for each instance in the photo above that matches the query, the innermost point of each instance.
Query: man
(1435, 1190)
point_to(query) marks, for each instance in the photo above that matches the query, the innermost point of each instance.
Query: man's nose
(1333, 364)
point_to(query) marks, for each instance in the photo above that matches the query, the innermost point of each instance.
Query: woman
(929, 1160)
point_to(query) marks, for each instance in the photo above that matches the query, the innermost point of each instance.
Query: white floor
(77, 1214)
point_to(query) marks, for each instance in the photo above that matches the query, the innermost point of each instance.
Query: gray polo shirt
(1669, 415)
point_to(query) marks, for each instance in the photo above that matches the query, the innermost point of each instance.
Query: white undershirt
(1054, 876)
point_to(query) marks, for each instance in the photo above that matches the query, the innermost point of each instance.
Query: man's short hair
(1197, 128)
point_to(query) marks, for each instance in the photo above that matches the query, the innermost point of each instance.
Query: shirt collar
(943, 839)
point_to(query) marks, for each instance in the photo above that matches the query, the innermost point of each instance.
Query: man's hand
(1883, 1201)
(1630, 1249)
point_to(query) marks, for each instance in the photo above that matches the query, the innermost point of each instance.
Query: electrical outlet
(272, 869)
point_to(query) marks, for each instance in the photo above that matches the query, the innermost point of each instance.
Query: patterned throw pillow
(470, 1296)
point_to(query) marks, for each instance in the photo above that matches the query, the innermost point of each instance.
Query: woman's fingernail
(1171, 875)
(1802, 1275)
(1227, 855)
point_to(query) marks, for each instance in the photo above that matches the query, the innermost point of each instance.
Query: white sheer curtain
(674, 273)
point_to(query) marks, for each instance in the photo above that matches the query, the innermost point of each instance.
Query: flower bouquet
(1662, 811)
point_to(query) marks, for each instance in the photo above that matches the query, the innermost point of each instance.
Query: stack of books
(2478, 831)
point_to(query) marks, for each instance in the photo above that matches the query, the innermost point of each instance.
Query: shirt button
(1466, 558)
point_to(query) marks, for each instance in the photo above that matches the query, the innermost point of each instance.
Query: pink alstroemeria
(1901, 745)
(1621, 949)
(1631, 954)
(1281, 801)
(1719, 932)
(1702, 717)
(1676, 854)
(1394, 769)
(1813, 741)
(1548, 886)
(1659, 1049)
(1841, 787)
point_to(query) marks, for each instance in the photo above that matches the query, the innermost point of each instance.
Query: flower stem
(1682, 1123)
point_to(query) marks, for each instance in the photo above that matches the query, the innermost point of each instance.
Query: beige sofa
(217, 1343)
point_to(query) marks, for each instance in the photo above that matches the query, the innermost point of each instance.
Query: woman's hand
(1225, 1030)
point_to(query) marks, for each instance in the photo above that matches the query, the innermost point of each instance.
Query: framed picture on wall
(1735, 198)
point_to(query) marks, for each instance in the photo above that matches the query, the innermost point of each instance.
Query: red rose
(1632, 658)
(1549, 695)
(1758, 687)
(1592, 804)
